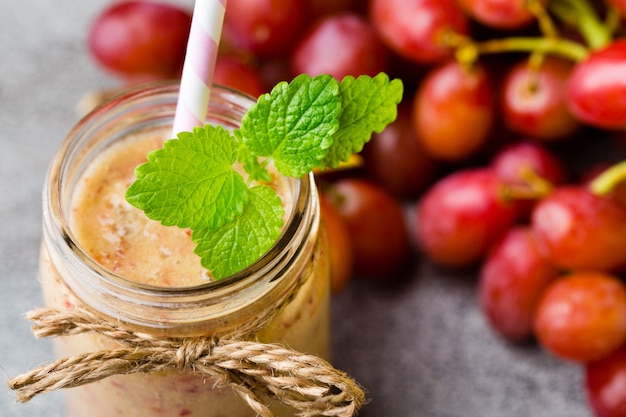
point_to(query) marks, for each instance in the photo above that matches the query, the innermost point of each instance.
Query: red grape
(453, 111)
(395, 159)
(415, 28)
(141, 40)
(513, 162)
(605, 381)
(235, 73)
(582, 317)
(596, 91)
(266, 28)
(580, 230)
(620, 5)
(356, 49)
(529, 172)
(511, 282)
(273, 71)
(462, 215)
(376, 224)
(533, 100)
(341, 252)
(501, 14)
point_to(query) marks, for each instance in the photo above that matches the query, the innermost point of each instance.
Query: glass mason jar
(283, 297)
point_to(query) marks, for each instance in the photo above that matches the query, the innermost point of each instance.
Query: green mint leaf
(369, 105)
(236, 245)
(190, 182)
(311, 122)
(294, 123)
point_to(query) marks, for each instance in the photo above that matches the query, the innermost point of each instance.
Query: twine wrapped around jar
(253, 370)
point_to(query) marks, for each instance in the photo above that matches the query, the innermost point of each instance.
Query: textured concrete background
(420, 349)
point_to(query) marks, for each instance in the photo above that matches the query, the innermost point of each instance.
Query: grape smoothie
(118, 237)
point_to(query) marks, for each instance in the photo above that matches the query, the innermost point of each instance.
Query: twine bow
(254, 370)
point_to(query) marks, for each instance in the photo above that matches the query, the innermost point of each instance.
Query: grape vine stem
(555, 46)
(604, 183)
(468, 51)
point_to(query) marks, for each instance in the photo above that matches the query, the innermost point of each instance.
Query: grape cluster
(475, 172)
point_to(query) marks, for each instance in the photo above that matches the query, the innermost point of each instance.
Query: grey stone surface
(420, 348)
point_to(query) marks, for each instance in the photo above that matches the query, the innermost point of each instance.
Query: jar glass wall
(88, 239)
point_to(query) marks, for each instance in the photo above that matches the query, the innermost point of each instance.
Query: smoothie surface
(119, 236)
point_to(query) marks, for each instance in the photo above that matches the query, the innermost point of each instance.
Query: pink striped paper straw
(202, 46)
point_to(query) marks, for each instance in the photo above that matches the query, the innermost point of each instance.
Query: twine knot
(191, 351)
(254, 370)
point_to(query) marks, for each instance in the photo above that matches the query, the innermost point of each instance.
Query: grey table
(420, 348)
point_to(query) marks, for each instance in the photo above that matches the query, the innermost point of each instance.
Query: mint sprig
(311, 122)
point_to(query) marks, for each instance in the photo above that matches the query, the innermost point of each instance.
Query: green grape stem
(533, 187)
(581, 15)
(606, 182)
(467, 51)
(546, 24)
(555, 46)
(613, 19)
